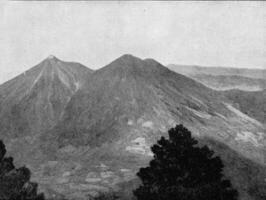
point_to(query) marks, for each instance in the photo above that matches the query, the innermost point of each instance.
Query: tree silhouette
(181, 170)
(106, 196)
(15, 183)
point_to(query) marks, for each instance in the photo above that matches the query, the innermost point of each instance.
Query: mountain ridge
(220, 78)
(103, 130)
(213, 70)
(128, 104)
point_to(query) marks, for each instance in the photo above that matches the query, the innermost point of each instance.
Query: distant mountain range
(222, 78)
(82, 131)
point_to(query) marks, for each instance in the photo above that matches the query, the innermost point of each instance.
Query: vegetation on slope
(181, 170)
(15, 183)
(247, 176)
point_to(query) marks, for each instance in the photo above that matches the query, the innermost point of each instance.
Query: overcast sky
(95, 33)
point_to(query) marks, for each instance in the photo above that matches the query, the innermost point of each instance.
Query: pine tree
(15, 183)
(181, 170)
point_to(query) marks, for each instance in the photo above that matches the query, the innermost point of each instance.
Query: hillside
(34, 101)
(252, 104)
(108, 126)
(82, 132)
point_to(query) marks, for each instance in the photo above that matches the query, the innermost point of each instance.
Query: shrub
(181, 170)
(15, 183)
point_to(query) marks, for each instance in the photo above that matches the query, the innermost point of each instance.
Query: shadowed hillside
(248, 177)
(251, 103)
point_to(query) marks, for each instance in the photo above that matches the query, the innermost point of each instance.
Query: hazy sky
(95, 33)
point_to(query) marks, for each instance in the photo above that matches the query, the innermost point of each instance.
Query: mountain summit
(34, 101)
(130, 64)
(128, 104)
(84, 132)
(52, 57)
(138, 92)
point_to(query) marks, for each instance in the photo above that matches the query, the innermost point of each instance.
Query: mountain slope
(127, 89)
(109, 124)
(34, 101)
(251, 103)
(143, 94)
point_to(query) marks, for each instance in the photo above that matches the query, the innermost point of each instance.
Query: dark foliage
(106, 196)
(15, 183)
(181, 170)
(246, 175)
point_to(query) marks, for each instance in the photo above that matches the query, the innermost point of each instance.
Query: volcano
(90, 132)
(34, 101)
(127, 105)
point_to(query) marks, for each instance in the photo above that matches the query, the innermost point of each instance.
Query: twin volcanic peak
(132, 98)
(63, 112)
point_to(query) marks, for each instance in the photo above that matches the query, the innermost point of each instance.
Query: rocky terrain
(83, 132)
